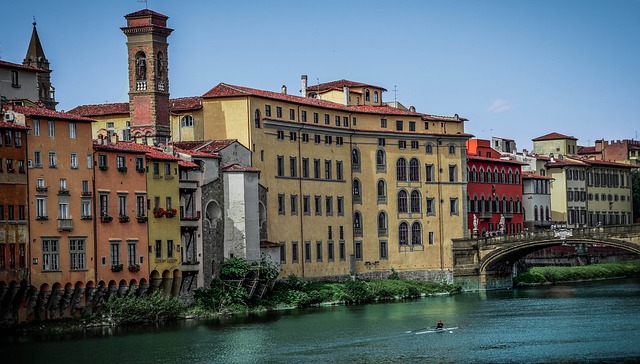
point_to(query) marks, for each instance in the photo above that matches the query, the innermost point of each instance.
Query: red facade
(494, 191)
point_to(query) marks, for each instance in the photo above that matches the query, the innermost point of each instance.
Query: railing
(65, 224)
(485, 214)
(141, 85)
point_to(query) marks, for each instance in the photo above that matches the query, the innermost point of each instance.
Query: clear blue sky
(515, 69)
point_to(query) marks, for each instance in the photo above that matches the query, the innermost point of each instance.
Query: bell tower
(35, 58)
(147, 47)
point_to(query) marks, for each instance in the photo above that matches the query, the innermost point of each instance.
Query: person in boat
(439, 325)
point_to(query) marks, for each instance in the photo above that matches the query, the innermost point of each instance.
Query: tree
(635, 193)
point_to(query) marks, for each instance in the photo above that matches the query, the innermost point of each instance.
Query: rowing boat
(431, 331)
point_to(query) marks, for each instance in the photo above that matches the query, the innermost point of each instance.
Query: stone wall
(212, 232)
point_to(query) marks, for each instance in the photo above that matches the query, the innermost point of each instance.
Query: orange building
(61, 233)
(121, 218)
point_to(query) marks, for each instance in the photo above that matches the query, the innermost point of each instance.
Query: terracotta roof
(210, 146)
(564, 162)
(101, 109)
(532, 175)
(21, 66)
(608, 163)
(586, 150)
(7, 125)
(150, 152)
(553, 136)
(51, 114)
(195, 153)
(187, 164)
(124, 147)
(185, 103)
(145, 12)
(338, 85)
(235, 167)
(226, 90)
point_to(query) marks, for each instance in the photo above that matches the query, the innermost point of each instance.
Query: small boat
(431, 331)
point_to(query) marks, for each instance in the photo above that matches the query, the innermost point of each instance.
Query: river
(591, 322)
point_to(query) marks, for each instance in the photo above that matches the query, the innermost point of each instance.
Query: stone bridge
(487, 263)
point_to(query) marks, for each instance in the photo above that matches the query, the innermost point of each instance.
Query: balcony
(190, 220)
(65, 224)
(86, 193)
(508, 215)
(485, 214)
(63, 192)
(188, 185)
(42, 189)
(190, 266)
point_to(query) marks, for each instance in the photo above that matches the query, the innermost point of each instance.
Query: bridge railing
(586, 232)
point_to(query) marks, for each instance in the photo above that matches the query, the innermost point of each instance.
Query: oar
(424, 328)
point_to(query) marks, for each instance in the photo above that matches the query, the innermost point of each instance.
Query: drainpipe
(95, 217)
(299, 171)
(440, 202)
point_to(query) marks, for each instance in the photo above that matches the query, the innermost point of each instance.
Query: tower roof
(35, 54)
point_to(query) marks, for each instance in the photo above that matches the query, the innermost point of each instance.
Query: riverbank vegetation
(552, 274)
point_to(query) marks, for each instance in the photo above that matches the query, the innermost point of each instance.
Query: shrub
(357, 291)
(133, 310)
(234, 268)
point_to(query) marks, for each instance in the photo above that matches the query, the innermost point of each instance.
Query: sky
(515, 69)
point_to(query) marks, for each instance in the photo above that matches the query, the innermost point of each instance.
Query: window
(452, 149)
(267, 110)
(383, 123)
(17, 139)
(414, 170)
(382, 142)
(35, 127)
(41, 207)
(15, 82)
(102, 161)
(356, 189)
(89, 161)
(380, 160)
(345, 121)
(431, 238)
(294, 204)
(103, 204)
(292, 114)
(120, 162)
(342, 251)
(306, 205)
(402, 201)
(326, 119)
(187, 121)
(280, 166)
(453, 173)
(328, 139)
(367, 95)
(327, 169)
(315, 117)
(37, 159)
(399, 125)
(416, 234)
(167, 169)
(375, 96)
(316, 168)
(72, 130)
(283, 253)
(401, 169)
(337, 120)
(303, 115)
(280, 134)
(317, 205)
(329, 205)
(86, 208)
(156, 169)
(415, 201)
(281, 204)
(382, 223)
(381, 191)
(170, 249)
(428, 148)
(339, 140)
(294, 252)
(293, 136)
(316, 139)
(50, 255)
(357, 223)
(122, 205)
(384, 253)
(330, 252)
(139, 164)
(402, 144)
(412, 126)
(73, 161)
(53, 161)
(403, 233)
(158, 249)
(339, 174)
(51, 128)
(132, 252)
(293, 167)
(77, 254)
(307, 251)
(355, 159)
(414, 144)
(319, 250)
(453, 209)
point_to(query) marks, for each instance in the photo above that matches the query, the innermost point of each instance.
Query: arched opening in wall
(155, 281)
(177, 282)
(123, 287)
(213, 211)
(167, 282)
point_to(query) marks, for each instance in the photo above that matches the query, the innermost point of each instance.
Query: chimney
(303, 78)
(284, 89)
(412, 108)
(346, 95)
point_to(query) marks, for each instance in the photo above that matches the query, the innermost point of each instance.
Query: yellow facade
(186, 125)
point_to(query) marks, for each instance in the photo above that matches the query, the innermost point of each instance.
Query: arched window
(414, 170)
(476, 208)
(256, 118)
(380, 158)
(518, 205)
(356, 188)
(496, 176)
(187, 121)
(517, 181)
(160, 65)
(548, 217)
(503, 208)
(503, 176)
(416, 233)
(481, 175)
(382, 222)
(494, 205)
(141, 66)
(428, 148)
(474, 174)
(403, 233)
(452, 149)
(535, 213)
(509, 177)
(382, 190)
(355, 157)
(401, 169)
(402, 201)
(511, 204)
(357, 220)
(375, 96)
(367, 95)
(482, 207)
(415, 201)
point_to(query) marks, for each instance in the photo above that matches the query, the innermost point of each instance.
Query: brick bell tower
(147, 47)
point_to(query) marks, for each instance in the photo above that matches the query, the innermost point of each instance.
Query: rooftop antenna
(146, 4)
(395, 93)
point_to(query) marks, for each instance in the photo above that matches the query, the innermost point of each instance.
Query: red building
(494, 191)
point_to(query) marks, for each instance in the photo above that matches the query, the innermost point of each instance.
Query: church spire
(35, 58)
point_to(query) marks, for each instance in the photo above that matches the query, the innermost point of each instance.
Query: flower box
(134, 268)
(159, 212)
(103, 168)
(123, 218)
(142, 218)
(106, 218)
(117, 267)
(171, 212)
(122, 169)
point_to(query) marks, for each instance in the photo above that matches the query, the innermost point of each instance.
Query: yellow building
(554, 144)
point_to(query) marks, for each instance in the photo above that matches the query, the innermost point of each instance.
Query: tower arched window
(414, 170)
(375, 96)
(509, 177)
(415, 201)
(367, 95)
(452, 149)
(403, 233)
(382, 191)
(160, 65)
(428, 148)
(356, 188)
(548, 217)
(535, 213)
(380, 158)
(402, 201)
(416, 233)
(511, 205)
(141, 66)
(496, 176)
(503, 176)
(256, 118)
(401, 170)
(355, 159)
